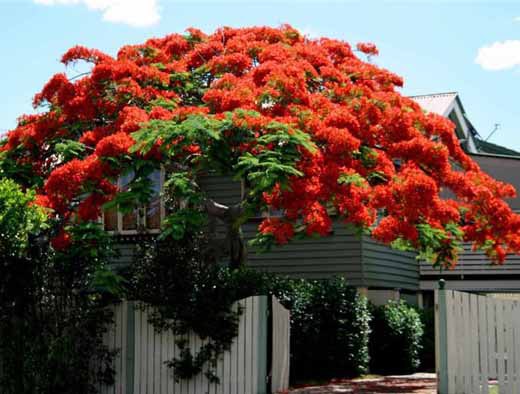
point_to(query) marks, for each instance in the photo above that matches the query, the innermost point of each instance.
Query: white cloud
(516, 19)
(501, 55)
(137, 13)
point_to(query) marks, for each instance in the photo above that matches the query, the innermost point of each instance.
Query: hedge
(396, 339)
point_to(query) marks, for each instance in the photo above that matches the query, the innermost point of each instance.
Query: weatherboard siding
(222, 189)
(387, 267)
(314, 258)
(475, 263)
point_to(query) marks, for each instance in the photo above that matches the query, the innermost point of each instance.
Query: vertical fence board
(516, 324)
(462, 344)
(475, 368)
(483, 344)
(492, 339)
(234, 361)
(509, 347)
(451, 334)
(280, 360)
(137, 342)
(254, 346)
(240, 348)
(500, 343)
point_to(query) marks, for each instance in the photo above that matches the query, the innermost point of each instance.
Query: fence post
(441, 340)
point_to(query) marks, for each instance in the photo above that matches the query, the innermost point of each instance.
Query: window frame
(141, 216)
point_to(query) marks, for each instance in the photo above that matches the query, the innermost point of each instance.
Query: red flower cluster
(368, 48)
(282, 231)
(376, 151)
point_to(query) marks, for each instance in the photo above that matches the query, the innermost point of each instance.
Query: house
(474, 272)
(375, 269)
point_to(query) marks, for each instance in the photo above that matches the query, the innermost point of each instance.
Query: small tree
(52, 317)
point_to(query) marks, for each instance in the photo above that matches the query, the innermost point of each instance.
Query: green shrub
(427, 355)
(396, 339)
(329, 330)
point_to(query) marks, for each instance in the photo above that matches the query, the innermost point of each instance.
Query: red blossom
(61, 241)
(375, 149)
(368, 48)
(281, 230)
(114, 145)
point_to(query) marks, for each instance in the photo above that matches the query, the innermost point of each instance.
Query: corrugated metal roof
(439, 103)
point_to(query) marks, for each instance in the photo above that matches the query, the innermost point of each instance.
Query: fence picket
(509, 347)
(500, 343)
(516, 319)
(483, 344)
(451, 332)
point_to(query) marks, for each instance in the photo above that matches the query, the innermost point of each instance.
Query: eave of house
(449, 105)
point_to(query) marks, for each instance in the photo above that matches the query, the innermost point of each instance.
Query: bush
(329, 330)
(396, 339)
(427, 355)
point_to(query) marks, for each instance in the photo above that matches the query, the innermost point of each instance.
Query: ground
(419, 383)
(409, 384)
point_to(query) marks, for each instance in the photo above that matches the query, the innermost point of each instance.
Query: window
(147, 218)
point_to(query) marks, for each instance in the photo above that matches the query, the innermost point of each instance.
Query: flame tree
(308, 126)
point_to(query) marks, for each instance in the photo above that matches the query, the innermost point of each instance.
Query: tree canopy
(310, 126)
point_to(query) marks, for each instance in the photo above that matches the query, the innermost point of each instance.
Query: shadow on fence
(257, 361)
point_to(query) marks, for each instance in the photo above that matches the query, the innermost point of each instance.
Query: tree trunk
(233, 243)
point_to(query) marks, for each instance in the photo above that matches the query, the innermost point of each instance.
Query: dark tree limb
(229, 216)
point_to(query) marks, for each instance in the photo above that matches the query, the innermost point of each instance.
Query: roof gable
(439, 103)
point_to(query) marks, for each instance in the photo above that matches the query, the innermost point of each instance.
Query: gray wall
(337, 254)
(475, 263)
(386, 267)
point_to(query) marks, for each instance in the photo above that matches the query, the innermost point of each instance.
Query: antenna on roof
(495, 128)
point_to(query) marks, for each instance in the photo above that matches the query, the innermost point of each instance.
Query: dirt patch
(395, 384)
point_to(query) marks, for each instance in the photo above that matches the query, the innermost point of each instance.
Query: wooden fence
(140, 364)
(478, 339)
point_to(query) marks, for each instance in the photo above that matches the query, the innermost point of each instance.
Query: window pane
(129, 219)
(153, 210)
(153, 214)
(110, 219)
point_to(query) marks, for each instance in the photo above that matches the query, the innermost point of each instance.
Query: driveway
(410, 384)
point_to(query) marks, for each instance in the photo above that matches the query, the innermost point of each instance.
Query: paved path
(409, 384)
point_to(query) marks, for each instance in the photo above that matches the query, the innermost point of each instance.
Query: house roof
(439, 103)
(444, 104)
(494, 149)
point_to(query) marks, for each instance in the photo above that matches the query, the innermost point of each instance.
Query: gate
(142, 352)
(477, 340)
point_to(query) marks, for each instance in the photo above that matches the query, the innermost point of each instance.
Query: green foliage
(278, 152)
(427, 355)
(437, 246)
(52, 304)
(69, 149)
(329, 330)
(21, 173)
(396, 339)
(354, 179)
(18, 219)
(188, 294)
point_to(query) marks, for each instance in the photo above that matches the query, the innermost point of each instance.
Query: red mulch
(374, 386)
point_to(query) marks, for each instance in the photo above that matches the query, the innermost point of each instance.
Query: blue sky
(433, 45)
